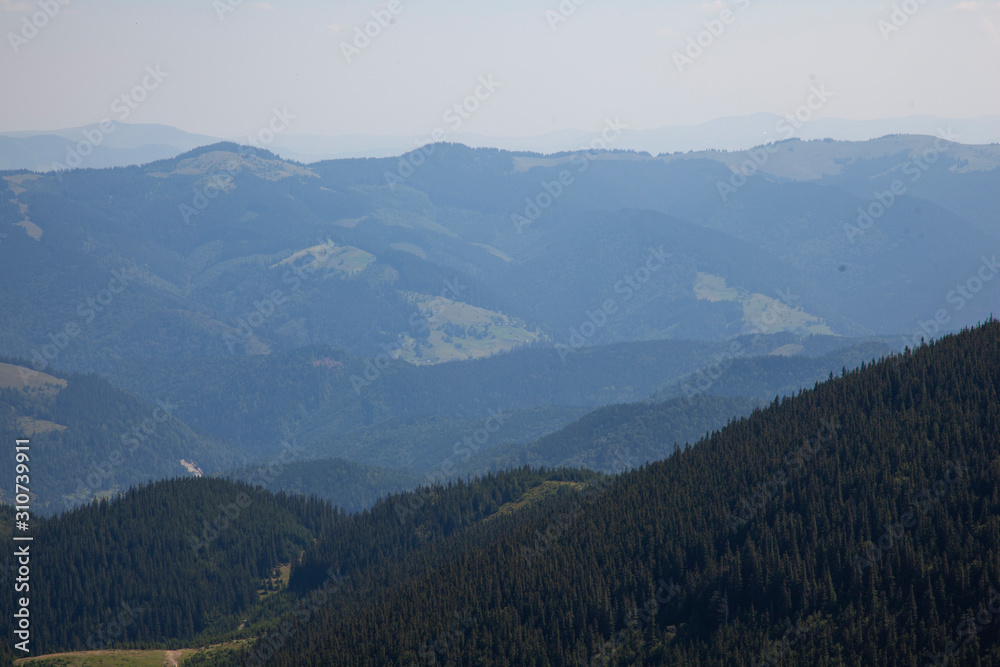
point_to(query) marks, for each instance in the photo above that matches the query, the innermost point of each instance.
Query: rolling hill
(228, 251)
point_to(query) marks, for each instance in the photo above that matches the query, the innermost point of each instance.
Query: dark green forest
(174, 557)
(850, 524)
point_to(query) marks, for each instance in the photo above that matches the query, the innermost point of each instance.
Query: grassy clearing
(18, 377)
(32, 426)
(345, 260)
(156, 658)
(775, 317)
(279, 581)
(714, 289)
(763, 313)
(460, 332)
(535, 495)
(150, 658)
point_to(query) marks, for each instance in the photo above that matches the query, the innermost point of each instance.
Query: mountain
(447, 443)
(184, 538)
(777, 522)
(343, 406)
(226, 251)
(745, 132)
(95, 146)
(618, 437)
(428, 443)
(852, 523)
(781, 373)
(276, 302)
(138, 143)
(286, 422)
(316, 393)
(93, 440)
(349, 486)
(737, 133)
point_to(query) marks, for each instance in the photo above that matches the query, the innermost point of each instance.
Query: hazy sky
(225, 75)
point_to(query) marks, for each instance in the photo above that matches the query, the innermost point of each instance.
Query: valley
(678, 347)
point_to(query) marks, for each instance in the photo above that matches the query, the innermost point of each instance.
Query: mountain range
(278, 304)
(496, 367)
(136, 143)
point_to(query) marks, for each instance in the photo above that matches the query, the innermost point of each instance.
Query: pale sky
(607, 59)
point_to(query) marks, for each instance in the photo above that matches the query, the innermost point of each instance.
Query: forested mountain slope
(852, 524)
(617, 437)
(855, 523)
(94, 440)
(162, 562)
(320, 394)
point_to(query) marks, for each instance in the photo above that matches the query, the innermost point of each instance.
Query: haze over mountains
(543, 334)
(362, 377)
(476, 251)
(375, 312)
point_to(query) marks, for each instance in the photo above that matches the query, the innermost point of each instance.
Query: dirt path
(172, 656)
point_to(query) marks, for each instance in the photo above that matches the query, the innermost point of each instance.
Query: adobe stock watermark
(749, 506)
(455, 116)
(704, 40)
(787, 127)
(968, 630)
(560, 522)
(131, 440)
(464, 448)
(264, 309)
(959, 298)
(562, 13)
(88, 310)
(265, 474)
(627, 288)
(271, 470)
(420, 322)
(705, 378)
(638, 619)
(301, 613)
(221, 181)
(30, 26)
(223, 7)
(901, 15)
(363, 35)
(774, 652)
(553, 190)
(214, 184)
(921, 502)
(280, 120)
(115, 630)
(915, 168)
(433, 652)
(122, 108)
